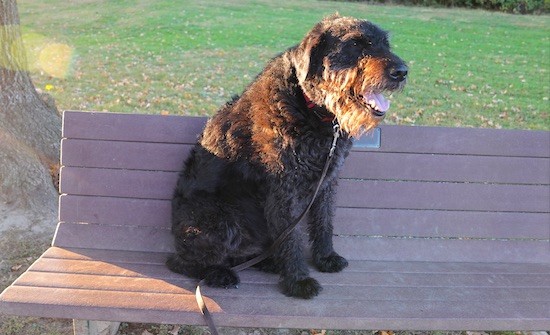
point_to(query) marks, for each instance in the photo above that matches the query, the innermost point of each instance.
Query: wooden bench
(444, 228)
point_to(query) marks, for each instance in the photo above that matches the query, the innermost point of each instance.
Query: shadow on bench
(444, 228)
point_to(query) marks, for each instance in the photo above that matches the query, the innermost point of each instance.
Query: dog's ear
(306, 57)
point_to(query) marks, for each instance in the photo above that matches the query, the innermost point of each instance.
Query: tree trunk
(29, 130)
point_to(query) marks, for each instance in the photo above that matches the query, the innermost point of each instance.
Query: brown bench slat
(174, 129)
(444, 196)
(348, 221)
(123, 256)
(118, 183)
(381, 194)
(164, 280)
(137, 155)
(442, 250)
(138, 128)
(348, 314)
(366, 165)
(469, 141)
(356, 248)
(151, 239)
(83, 304)
(449, 168)
(156, 258)
(429, 223)
(169, 157)
(268, 288)
(115, 211)
(142, 284)
(359, 221)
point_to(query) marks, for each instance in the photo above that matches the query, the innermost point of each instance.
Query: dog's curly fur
(258, 160)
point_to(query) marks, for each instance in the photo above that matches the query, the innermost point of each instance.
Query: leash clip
(336, 135)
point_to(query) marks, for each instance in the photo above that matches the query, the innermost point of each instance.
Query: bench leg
(86, 327)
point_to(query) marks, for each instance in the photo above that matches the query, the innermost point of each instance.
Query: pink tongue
(377, 101)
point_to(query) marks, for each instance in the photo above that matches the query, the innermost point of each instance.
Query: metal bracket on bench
(86, 327)
(371, 140)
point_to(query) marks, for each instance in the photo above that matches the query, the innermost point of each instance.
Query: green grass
(467, 67)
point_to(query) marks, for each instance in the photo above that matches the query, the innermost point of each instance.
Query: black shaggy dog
(257, 163)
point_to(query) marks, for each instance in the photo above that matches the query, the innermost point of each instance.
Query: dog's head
(345, 65)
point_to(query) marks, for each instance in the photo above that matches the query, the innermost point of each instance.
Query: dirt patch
(13, 218)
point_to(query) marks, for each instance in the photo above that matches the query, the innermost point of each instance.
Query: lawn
(467, 68)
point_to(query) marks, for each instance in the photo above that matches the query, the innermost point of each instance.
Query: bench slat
(154, 239)
(348, 220)
(429, 223)
(131, 127)
(387, 267)
(268, 289)
(444, 196)
(365, 165)
(381, 194)
(118, 183)
(163, 280)
(176, 129)
(115, 211)
(124, 155)
(350, 314)
(449, 168)
(444, 250)
(465, 141)
(149, 239)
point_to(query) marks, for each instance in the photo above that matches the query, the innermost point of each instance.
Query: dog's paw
(332, 263)
(306, 288)
(220, 276)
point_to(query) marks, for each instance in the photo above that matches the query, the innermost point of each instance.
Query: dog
(255, 166)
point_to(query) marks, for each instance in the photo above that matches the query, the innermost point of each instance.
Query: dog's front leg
(281, 212)
(321, 230)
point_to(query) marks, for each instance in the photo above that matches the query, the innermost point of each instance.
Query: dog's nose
(399, 73)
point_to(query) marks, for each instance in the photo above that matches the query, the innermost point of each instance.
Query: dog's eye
(357, 43)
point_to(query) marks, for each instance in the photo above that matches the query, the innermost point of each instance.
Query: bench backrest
(427, 194)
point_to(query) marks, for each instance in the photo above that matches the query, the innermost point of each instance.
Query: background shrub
(509, 6)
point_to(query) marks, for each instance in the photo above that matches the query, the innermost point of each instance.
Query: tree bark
(29, 130)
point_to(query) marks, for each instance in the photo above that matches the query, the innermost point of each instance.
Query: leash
(200, 301)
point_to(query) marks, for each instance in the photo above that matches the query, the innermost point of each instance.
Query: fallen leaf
(384, 332)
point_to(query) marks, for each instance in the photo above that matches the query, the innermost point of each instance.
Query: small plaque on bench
(369, 140)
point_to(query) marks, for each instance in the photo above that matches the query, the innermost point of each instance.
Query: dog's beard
(355, 95)
(352, 115)
(355, 98)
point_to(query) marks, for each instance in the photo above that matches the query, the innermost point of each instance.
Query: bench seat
(444, 229)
